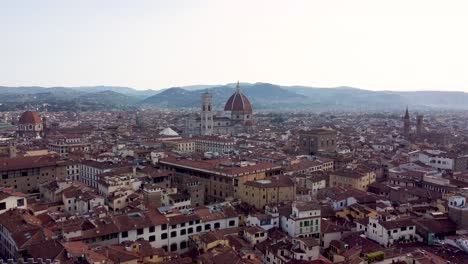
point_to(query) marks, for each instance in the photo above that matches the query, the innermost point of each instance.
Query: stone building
(318, 140)
(25, 173)
(267, 191)
(220, 177)
(458, 211)
(358, 178)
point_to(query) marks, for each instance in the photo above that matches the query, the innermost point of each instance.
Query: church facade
(237, 116)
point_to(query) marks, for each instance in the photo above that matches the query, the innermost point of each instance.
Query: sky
(376, 45)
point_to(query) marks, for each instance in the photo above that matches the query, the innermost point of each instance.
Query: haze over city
(376, 45)
(245, 132)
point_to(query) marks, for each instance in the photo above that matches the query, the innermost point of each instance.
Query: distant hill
(109, 98)
(261, 95)
(92, 98)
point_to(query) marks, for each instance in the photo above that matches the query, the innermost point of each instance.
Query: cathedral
(31, 125)
(237, 116)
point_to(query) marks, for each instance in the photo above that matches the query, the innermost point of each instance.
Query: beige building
(213, 144)
(7, 149)
(181, 145)
(220, 177)
(25, 173)
(272, 190)
(357, 177)
(63, 145)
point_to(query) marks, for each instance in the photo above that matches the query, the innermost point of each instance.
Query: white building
(435, 158)
(302, 221)
(10, 200)
(79, 201)
(387, 233)
(89, 169)
(265, 221)
(302, 249)
(169, 230)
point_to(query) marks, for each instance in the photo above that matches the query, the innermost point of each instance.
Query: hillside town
(233, 185)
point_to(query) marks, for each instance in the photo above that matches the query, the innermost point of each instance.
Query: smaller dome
(168, 132)
(30, 117)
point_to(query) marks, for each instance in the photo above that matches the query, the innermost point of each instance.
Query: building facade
(319, 140)
(267, 191)
(25, 173)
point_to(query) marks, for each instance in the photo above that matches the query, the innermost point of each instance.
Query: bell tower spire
(406, 124)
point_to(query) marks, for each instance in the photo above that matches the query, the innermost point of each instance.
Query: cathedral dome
(30, 117)
(238, 102)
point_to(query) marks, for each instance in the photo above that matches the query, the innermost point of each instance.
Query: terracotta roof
(238, 102)
(404, 222)
(215, 166)
(30, 117)
(272, 182)
(27, 162)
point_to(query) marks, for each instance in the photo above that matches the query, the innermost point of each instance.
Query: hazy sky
(378, 45)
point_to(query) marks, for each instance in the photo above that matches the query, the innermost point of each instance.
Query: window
(173, 233)
(164, 236)
(190, 230)
(182, 225)
(403, 228)
(20, 202)
(173, 226)
(191, 222)
(183, 232)
(199, 228)
(164, 227)
(152, 238)
(217, 225)
(125, 234)
(173, 247)
(183, 244)
(207, 227)
(232, 223)
(140, 231)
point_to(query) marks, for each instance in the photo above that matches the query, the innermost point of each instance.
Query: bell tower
(406, 124)
(207, 114)
(419, 125)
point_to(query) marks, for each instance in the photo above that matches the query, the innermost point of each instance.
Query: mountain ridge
(262, 96)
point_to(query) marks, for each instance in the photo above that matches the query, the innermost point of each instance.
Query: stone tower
(419, 124)
(207, 114)
(406, 124)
